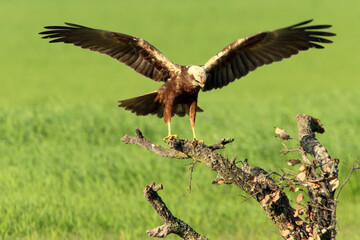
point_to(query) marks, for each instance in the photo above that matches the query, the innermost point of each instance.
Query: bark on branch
(171, 223)
(141, 141)
(318, 176)
(253, 180)
(320, 184)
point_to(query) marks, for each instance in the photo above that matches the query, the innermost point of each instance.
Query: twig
(191, 170)
(290, 150)
(221, 144)
(353, 168)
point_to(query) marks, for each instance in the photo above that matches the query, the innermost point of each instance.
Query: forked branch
(171, 223)
(253, 180)
(317, 180)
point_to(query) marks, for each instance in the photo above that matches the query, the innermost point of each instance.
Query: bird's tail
(143, 105)
(146, 104)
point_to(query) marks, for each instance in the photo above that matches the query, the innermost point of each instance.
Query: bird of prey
(179, 93)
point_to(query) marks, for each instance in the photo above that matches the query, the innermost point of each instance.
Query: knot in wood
(308, 143)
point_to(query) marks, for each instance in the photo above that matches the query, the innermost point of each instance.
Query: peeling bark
(318, 176)
(253, 180)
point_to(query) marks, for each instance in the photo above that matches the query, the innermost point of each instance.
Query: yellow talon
(200, 141)
(169, 137)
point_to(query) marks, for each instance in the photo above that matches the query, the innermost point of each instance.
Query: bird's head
(198, 74)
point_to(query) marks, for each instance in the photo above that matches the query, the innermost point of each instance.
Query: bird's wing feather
(246, 54)
(135, 52)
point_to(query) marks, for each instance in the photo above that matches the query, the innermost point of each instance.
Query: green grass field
(64, 172)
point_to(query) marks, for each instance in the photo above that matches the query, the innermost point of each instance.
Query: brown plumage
(178, 95)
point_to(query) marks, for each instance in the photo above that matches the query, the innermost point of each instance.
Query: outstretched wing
(133, 51)
(246, 54)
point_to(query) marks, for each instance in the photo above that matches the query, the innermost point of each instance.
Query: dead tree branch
(140, 140)
(321, 184)
(253, 180)
(171, 223)
(316, 179)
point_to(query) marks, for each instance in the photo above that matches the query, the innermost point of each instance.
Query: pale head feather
(198, 73)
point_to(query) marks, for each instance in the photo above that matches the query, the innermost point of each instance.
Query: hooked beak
(202, 85)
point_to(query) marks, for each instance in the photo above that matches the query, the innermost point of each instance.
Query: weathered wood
(253, 180)
(322, 221)
(318, 178)
(171, 223)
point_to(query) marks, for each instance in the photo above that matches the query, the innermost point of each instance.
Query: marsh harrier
(178, 95)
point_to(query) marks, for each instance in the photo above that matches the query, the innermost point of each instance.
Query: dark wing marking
(246, 54)
(134, 52)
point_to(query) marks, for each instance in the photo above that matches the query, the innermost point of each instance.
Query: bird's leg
(193, 131)
(169, 136)
(167, 118)
(192, 115)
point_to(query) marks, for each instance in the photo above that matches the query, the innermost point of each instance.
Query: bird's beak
(202, 84)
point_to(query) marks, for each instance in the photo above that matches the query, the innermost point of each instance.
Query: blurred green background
(64, 172)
